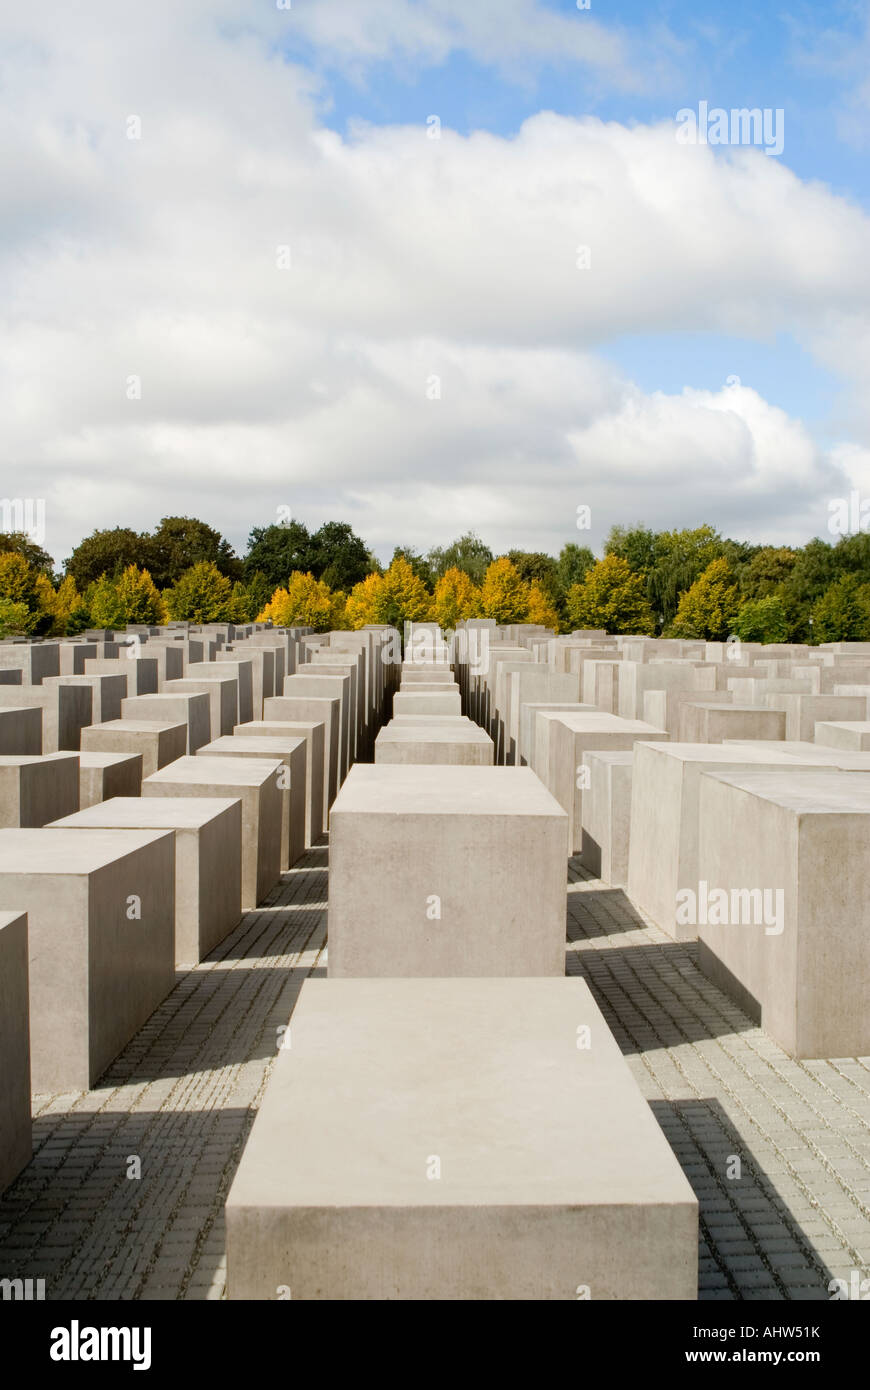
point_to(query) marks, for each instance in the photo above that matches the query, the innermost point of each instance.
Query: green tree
(468, 553)
(534, 565)
(130, 598)
(181, 542)
(278, 551)
(812, 574)
(762, 620)
(709, 608)
(766, 571)
(201, 595)
(16, 619)
(338, 556)
(107, 552)
(842, 614)
(574, 563)
(612, 596)
(636, 544)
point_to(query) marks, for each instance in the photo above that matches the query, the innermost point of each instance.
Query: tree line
(690, 583)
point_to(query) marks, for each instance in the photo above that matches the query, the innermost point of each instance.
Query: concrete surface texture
(382, 1166)
(16, 1138)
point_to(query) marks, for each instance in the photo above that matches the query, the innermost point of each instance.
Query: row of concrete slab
(133, 856)
(451, 1116)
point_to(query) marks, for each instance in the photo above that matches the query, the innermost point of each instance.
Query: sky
(431, 266)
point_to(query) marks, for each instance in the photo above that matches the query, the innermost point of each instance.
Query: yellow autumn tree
(395, 597)
(504, 595)
(542, 610)
(456, 598)
(305, 602)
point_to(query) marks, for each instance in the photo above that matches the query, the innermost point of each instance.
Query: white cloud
(306, 387)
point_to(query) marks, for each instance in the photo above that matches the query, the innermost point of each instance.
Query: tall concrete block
(571, 737)
(552, 1170)
(313, 736)
(665, 818)
(21, 730)
(35, 660)
(228, 664)
(788, 850)
(107, 692)
(290, 754)
(223, 698)
(141, 673)
(322, 710)
(605, 831)
(399, 903)
(208, 860)
(66, 710)
(16, 1130)
(255, 784)
(307, 686)
(96, 972)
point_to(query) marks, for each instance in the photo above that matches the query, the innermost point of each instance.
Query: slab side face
(16, 1140)
(446, 871)
(551, 1169)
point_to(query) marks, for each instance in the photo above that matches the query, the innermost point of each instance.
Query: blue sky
(330, 313)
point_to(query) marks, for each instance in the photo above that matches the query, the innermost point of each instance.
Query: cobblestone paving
(182, 1097)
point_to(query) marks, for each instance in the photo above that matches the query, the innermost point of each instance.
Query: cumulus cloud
(387, 328)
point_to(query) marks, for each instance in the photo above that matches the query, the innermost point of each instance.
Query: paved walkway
(181, 1099)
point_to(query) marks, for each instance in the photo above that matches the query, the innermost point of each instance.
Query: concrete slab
(313, 734)
(208, 860)
(446, 871)
(465, 745)
(183, 707)
(290, 755)
(606, 824)
(98, 968)
(798, 840)
(255, 784)
(103, 775)
(157, 744)
(16, 1128)
(21, 730)
(381, 1165)
(36, 789)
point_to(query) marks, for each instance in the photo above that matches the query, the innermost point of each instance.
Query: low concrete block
(787, 850)
(66, 710)
(802, 712)
(322, 710)
(446, 871)
(16, 1130)
(208, 860)
(107, 692)
(223, 697)
(142, 673)
(663, 857)
(381, 1165)
(418, 743)
(571, 737)
(157, 744)
(852, 735)
(182, 707)
(412, 702)
(702, 723)
(99, 967)
(255, 784)
(36, 789)
(103, 775)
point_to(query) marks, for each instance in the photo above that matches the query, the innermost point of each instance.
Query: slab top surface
(67, 851)
(415, 788)
(382, 1076)
(806, 791)
(249, 746)
(150, 812)
(241, 771)
(139, 726)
